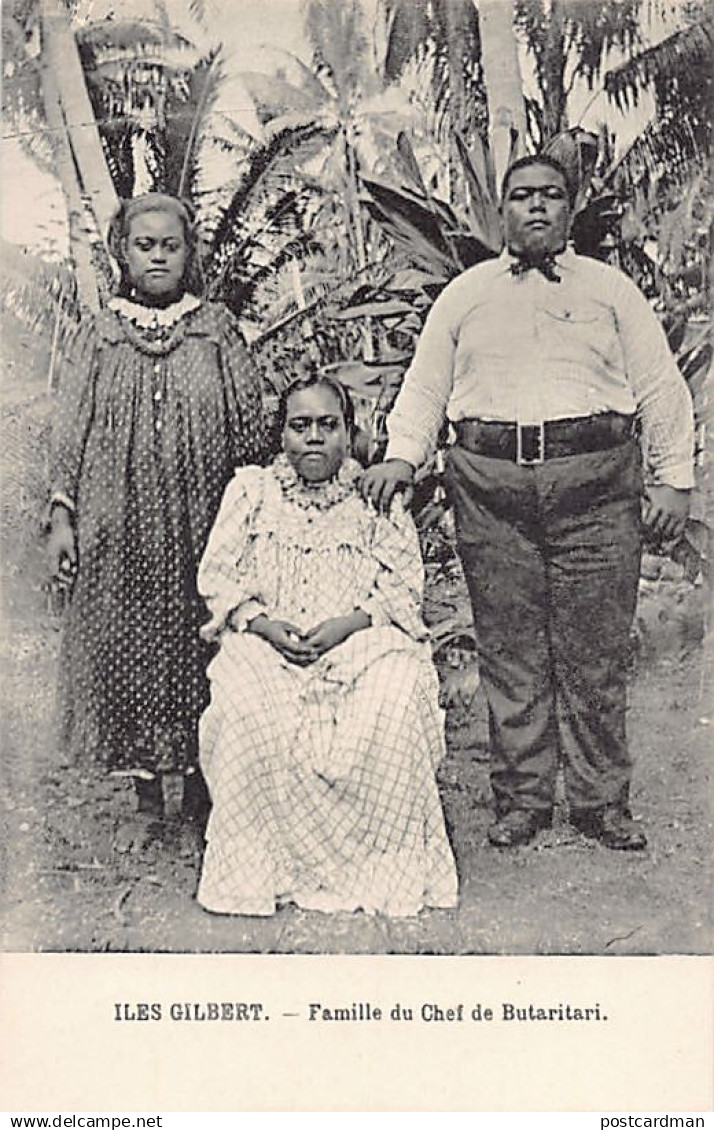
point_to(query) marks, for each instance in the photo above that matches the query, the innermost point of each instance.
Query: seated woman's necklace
(317, 496)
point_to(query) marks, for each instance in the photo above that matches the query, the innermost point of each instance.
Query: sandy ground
(65, 889)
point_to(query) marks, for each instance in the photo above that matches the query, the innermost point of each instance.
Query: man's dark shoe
(518, 826)
(612, 825)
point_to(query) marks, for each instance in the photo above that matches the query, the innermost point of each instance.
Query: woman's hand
(284, 637)
(62, 548)
(306, 648)
(323, 637)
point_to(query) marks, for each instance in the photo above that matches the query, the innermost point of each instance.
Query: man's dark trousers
(551, 555)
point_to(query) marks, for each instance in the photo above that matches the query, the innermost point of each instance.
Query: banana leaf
(410, 163)
(427, 230)
(413, 214)
(484, 213)
(371, 380)
(409, 280)
(393, 309)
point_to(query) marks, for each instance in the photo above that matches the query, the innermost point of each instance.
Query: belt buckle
(530, 444)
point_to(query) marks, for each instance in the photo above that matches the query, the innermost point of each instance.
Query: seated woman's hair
(313, 378)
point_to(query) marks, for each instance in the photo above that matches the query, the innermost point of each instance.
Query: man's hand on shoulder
(666, 510)
(380, 483)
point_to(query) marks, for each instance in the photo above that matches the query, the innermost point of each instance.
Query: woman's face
(315, 436)
(155, 251)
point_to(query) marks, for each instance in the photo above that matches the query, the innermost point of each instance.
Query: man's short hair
(538, 159)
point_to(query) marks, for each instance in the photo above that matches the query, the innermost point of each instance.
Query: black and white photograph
(356, 510)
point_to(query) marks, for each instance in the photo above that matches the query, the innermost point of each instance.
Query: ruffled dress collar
(153, 317)
(152, 329)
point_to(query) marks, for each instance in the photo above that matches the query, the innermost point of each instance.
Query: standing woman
(158, 405)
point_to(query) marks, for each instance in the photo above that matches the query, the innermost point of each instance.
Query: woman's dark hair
(315, 379)
(535, 159)
(120, 226)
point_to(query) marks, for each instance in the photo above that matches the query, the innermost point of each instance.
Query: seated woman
(323, 734)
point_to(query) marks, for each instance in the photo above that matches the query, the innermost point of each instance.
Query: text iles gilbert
(358, 1012)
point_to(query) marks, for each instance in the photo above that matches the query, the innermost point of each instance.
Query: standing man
(553, 371)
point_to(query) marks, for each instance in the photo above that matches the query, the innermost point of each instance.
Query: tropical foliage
(370, 182)
(441, 42)
(22, 104)
(570, 41)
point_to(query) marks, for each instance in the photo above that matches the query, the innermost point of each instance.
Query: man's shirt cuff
(678, 475)
(407, 449)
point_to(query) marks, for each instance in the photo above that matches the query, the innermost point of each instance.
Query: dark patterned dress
(155, 411)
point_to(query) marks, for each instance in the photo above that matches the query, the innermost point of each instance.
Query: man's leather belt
(531, 444)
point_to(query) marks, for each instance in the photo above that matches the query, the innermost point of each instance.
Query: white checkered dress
(322, 777)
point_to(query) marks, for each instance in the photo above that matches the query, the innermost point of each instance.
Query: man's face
(536, 212)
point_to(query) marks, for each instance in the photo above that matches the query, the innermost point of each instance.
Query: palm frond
(118, 144)
(670, 60)
(665, 156)
(22, 104)
(199, 11)
(410, 28)
(426, 230)
(589, 30)
(116, 39)
(42, 294)
(204, 84)
(260, 164)
(594, 29)
(574, 36)
(131, 66)
(414, 25)
(338, 35)
(292, 249)
(28, 126)
(146, 80)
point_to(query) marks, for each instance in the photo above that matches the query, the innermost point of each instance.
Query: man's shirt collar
(563, 258)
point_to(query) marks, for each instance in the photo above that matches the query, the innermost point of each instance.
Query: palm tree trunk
(79, 233)
(354, 206)
(70, 101)
(553, 74)
(455, 48)
(300, 295)
(455, 39)
(504, 87)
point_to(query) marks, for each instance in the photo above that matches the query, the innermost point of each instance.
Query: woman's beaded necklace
(317, 496)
